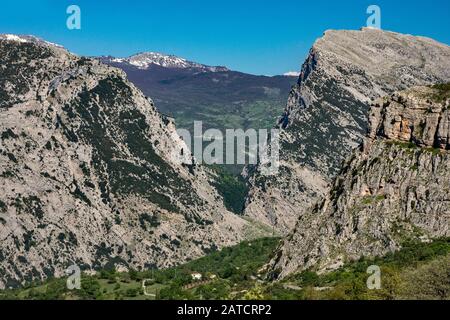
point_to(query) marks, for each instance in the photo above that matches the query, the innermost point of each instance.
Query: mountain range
(88, 174)
(145, 60)
(90, 170)
(220, 98)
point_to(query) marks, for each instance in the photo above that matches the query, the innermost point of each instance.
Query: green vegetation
(228, 270)
(152, 219)
(434, 151)
(418, 271)
(130, 129)
(371, 199)
(403, 145)
(3, 206)
(16, 67)
(443, 92)
(414, 261)
(30, 205)
(411, 147)
(232, 188)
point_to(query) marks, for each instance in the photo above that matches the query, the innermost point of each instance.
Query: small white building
(196, 276)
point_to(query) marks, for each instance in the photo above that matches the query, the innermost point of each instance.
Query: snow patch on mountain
(292, 74)
(147, 59)
(25, 39)
(13, 37)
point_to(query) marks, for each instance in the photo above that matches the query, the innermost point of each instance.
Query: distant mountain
(145, 60)
(221, 98)
(27, 39)
(292, 74)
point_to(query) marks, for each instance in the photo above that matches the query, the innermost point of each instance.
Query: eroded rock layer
(326, 115)
(395, 189)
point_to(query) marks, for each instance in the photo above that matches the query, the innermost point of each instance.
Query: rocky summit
(326, 114)
(88, 174)
(394, 190)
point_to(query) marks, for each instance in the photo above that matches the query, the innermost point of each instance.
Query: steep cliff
(89, 172)
(326, 115)
(396, 188)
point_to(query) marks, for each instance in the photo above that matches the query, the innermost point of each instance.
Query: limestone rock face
(395, 188)
(88, 174)
(413, 115)
(326, 114)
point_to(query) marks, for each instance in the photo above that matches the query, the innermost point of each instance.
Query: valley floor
(418, 271)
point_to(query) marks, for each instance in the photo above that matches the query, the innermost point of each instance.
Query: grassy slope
(402, 276)
(417, 271)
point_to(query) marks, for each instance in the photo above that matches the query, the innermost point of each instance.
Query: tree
(256, 293)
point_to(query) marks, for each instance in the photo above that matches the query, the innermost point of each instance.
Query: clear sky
(261, 37)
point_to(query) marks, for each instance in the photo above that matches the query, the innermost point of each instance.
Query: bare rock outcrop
(418, 115)
(88, 174)
(395, 188)
(326, 114)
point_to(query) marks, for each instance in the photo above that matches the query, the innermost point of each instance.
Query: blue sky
(260, 37)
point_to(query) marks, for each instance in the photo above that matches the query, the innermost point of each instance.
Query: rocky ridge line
(395, 189)
(327, 111)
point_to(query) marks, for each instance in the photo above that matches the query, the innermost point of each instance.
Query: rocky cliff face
(395, 189)
(326, 115)
(88, 173)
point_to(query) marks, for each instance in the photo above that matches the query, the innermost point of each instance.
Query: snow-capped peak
(25, 39)
(146, 59)
(292, 74)
(13, 37)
